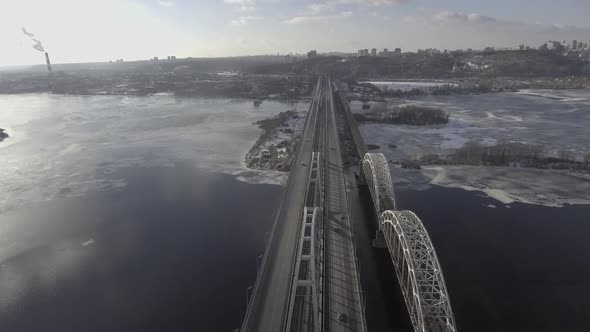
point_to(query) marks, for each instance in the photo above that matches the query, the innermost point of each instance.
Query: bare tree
(566, 155)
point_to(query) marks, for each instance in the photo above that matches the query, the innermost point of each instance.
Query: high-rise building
(398, 51)
(312, 54)
(374, 52)
(574, 44)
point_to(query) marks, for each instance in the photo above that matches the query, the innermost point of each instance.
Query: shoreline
(276, 145)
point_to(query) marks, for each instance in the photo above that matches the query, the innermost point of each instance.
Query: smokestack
(48, 63)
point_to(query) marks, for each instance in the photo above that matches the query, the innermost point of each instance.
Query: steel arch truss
(378, 177)
(418, 271)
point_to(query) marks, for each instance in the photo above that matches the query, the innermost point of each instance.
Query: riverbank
(416, 115)
(275, 148)
(179, 82)
(530, 147)
(507, 154)
(379, 90)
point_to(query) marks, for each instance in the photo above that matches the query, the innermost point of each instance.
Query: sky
(103, 30)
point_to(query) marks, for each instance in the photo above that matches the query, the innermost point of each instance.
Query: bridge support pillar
(379, 241)
(360, 177)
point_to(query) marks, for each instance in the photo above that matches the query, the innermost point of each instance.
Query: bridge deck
(343, 298)
(270, 299)
(342, 308)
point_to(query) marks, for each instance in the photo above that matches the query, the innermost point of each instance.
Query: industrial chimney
(48, 62)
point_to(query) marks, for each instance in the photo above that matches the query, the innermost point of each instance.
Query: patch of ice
(261, 177)
(508, 185)
(62, 146)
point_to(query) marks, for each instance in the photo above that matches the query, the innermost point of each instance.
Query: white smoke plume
(37, 43)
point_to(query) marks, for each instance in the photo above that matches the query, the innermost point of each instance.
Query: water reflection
(175, 249)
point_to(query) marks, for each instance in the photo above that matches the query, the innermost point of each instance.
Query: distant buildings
(363, 52)
(563, 47)
(172, 57)
(553, 45)
(312, 54)
(375, 53)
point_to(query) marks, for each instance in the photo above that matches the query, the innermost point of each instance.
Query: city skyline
(87, 31)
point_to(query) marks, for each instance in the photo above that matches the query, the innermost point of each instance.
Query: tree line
(507, 153)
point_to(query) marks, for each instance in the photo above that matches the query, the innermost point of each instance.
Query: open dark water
(115, 216)
(514, 268)
(177, 247)
(174, 250)
(517, 268)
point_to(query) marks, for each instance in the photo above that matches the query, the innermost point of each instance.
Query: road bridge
(309, 277)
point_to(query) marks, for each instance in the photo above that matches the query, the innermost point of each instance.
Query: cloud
(371, 2)
(166, 3)
(456, 29)
(331, 5)
(318, 8)
(244, 20)
(240, 2)
(134, 31)
(243, 5)
(452, 17)
(318, 18)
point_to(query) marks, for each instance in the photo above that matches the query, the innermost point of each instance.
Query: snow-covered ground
(406, 86)
(284, 134)
(505, 184)
(557, 120)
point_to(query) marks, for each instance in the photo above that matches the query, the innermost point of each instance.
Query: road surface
(268, 308)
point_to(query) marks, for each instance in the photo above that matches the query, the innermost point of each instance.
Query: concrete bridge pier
(379, 240)
(360, 177)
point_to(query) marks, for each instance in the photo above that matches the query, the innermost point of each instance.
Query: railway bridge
(308, 279)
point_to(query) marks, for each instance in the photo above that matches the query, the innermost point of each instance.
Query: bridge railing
(361, 147)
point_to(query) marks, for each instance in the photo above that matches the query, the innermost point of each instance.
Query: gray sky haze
(102, 30)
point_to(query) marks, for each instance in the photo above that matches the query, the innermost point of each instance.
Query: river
(137, 214)
(512, 242)
(130, 213)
